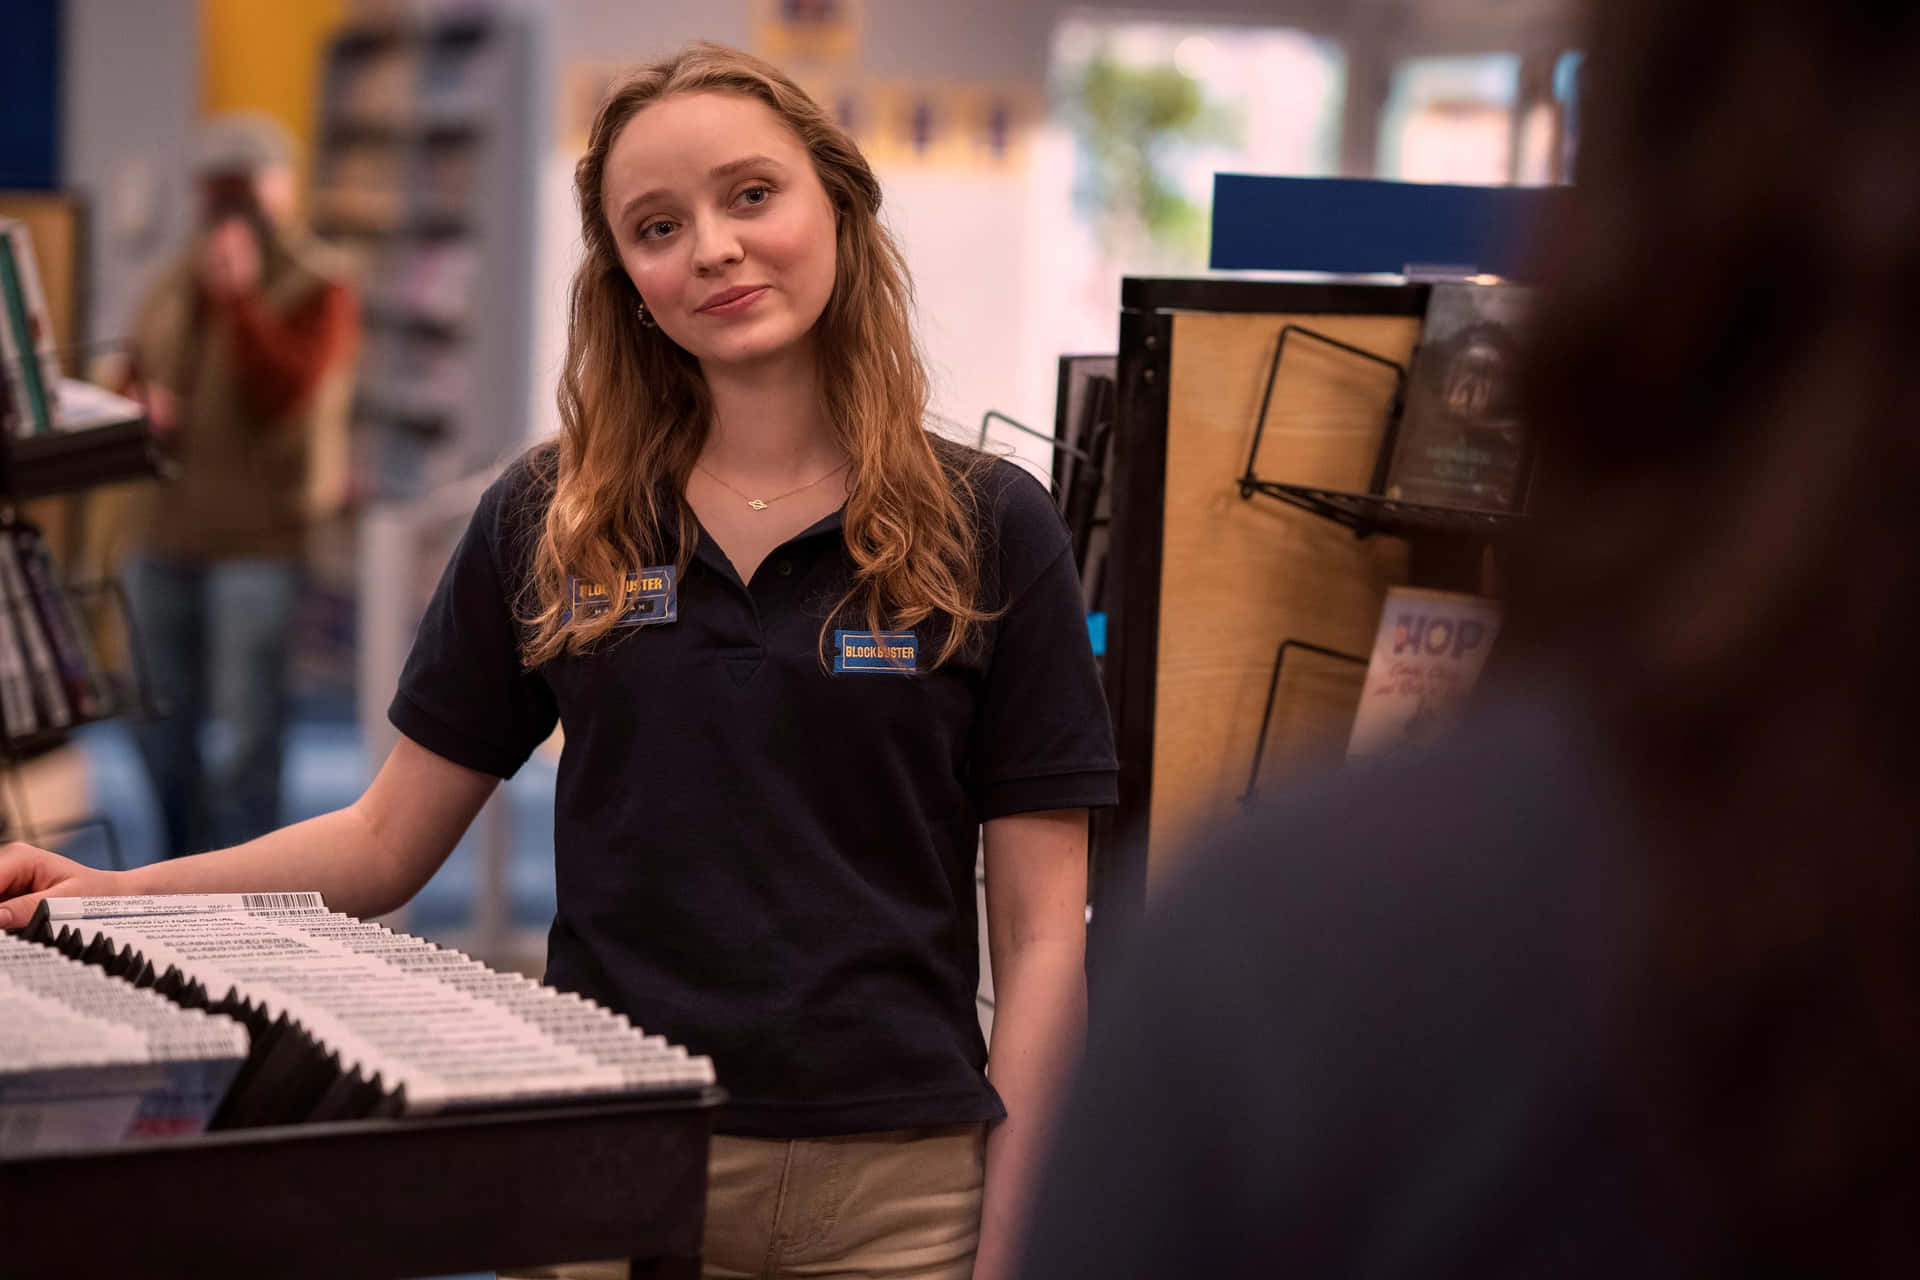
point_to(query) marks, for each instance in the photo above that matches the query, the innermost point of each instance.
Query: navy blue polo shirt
(764, 858)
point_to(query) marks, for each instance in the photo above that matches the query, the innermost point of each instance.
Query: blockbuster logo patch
(897, 652)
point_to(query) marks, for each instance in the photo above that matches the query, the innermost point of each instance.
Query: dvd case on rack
(1461, 442)
(16, 687)
(1427, 657)
(15, 414)
(28, 346)
(66, 632)
(49, 690)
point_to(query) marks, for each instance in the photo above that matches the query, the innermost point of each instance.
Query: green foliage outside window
(1126, 120)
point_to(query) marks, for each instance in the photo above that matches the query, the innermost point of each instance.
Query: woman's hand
(28, 874)
(163, 408)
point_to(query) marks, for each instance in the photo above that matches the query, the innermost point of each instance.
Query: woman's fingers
(27, 875)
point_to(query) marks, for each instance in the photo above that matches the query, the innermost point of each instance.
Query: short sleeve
(1042, 738)
(464, 694)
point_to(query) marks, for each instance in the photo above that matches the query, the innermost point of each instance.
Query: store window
(1566, 95)
(1141, 117)
(1451, 120)
(1154, 110)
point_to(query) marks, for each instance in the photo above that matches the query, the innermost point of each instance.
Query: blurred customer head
(1726, 391)
(244, 166)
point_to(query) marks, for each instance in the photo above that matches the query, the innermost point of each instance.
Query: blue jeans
(218, 639)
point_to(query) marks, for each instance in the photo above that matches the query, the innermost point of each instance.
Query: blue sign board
(1366, 226)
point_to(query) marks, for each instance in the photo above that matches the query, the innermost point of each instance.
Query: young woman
(802, 651)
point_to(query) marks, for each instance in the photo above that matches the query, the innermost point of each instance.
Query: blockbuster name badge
(897, 652)
(650, 598)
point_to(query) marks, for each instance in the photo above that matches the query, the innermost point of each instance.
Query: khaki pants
(903, 1205)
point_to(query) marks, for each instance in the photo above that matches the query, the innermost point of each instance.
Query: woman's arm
(1036, 936)
(365, 859)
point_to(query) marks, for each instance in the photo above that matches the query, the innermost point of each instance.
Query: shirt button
(784, 568)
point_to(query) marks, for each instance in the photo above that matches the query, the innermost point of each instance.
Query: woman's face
(722, 224)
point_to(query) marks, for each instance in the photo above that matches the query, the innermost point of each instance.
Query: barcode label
(169, 904)
(281, 902)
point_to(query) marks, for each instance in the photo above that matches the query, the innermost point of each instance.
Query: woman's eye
(656, 230)
(756, 195)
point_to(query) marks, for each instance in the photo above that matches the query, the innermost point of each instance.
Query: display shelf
(451, 129)
(1200, 592)
(462, 28)
(121, 694)
(69, 461)
(426, 324)
(427, 423)
(337, 226)
(373, 130)
(361, 38)
(1368, 513)
(26, 746)
(423, 226)
(440, 224)
(440, 130)
(424, 147)
(387, 1198)
(1273, 690)
(1364, 513)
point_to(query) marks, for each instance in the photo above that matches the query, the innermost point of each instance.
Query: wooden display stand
(1209, 580)
(369, 1199)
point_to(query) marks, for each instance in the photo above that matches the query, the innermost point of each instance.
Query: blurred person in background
(241, 354)
(1623, 980)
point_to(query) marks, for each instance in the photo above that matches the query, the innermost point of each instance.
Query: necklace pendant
(756, 504)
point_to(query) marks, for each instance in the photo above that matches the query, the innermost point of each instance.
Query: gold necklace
(761, 504)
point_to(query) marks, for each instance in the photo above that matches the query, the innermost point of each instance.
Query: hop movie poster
(1427, 656)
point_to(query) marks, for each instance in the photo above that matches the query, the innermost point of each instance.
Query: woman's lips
(734, 300)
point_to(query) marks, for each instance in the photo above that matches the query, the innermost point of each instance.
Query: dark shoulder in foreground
(1480, 871)
(1526, 773)
(1372, 1029)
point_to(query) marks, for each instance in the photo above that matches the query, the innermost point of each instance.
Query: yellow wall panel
(264, 55)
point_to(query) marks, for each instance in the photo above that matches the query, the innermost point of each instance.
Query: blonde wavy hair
(634, 408)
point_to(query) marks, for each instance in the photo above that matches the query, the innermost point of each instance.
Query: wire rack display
(1364, 513)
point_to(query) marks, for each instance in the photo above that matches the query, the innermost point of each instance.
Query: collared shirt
(763, 855)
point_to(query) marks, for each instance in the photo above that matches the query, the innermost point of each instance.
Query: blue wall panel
(1364, 225)
(30, 94)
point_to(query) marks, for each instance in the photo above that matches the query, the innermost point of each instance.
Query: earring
(646, 321)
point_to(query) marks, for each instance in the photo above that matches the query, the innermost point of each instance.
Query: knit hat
(242, 142)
